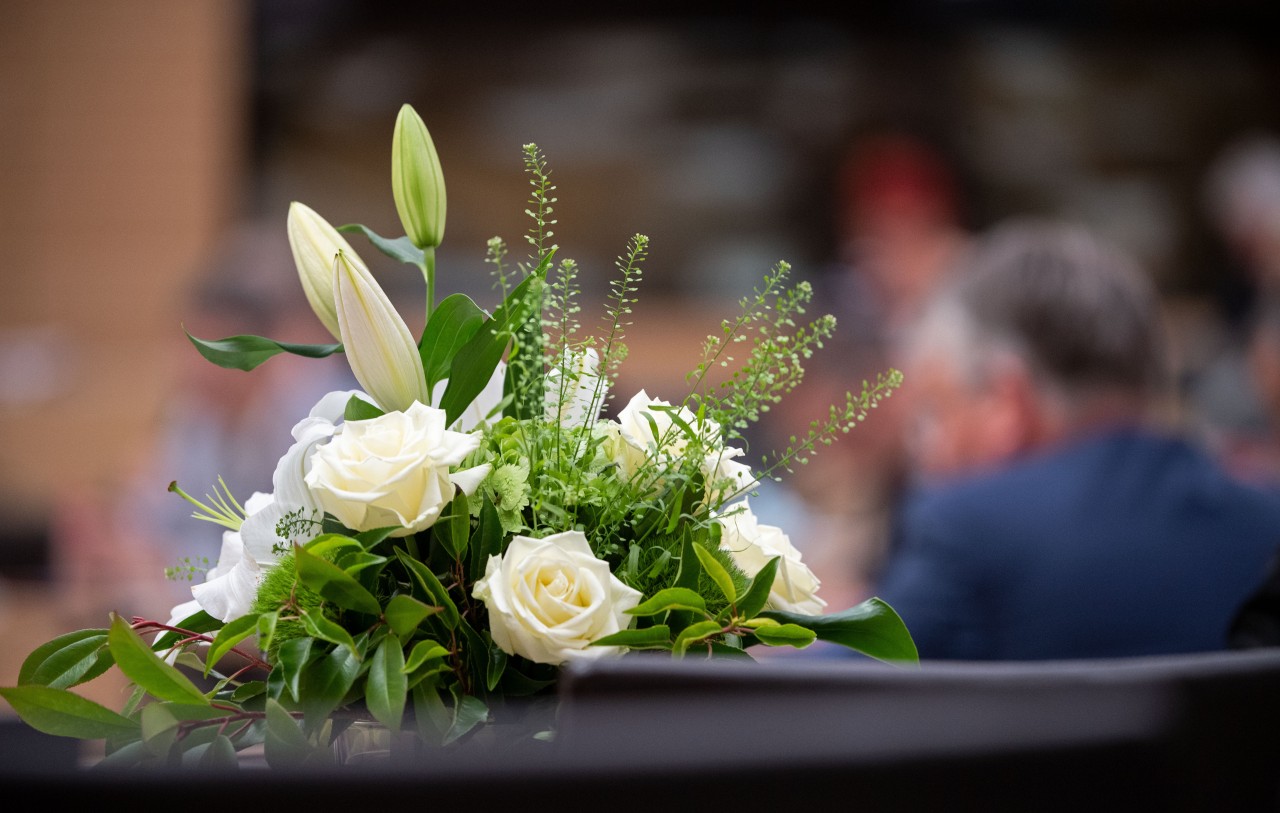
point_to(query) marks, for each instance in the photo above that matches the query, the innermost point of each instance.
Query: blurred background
(150, 150)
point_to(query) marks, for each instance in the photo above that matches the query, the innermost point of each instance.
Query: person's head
(1047, 331)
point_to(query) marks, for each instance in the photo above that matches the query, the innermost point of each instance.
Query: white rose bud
(315, 245)
(548, 599)
(636, 442)
(417, 183)
(380, 349)
(752, 545)
(393, 470)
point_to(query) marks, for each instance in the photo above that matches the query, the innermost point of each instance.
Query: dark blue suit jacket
(1125, 543)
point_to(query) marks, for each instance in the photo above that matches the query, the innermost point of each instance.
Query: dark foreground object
(1197, 732)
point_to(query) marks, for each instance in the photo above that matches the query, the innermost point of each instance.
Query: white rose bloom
(548, 599)
(752, 545)
(583, 394)
(734, 478)
(392, 470)
(636, 441)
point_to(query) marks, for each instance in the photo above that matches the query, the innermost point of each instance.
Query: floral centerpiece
(441, 541)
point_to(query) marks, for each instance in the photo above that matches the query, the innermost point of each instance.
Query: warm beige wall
(121, 146)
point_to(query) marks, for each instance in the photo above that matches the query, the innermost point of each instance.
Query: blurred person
(898, 234)
(1232, 393)
(1056, 514)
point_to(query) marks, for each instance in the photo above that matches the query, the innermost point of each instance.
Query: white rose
(548, 599)
(637, 440)
(727, 478)
(393, 470)
(752, 545)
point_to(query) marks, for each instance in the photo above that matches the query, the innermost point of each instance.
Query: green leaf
(198, 622)
(230, 635)
(159, 728)
(475, 361)
(656, 637)
(486, 541)
(422, 652)
(456, 525)
(405, 613)
(785, 635)
(872, 628)
(145, 668)
(430, 714)
(66, 714)
(318, 626)
(454, 321)
(497, 665)
(387, 687)
(325, 683)
(671, 598)
(247, 352)
(284, 744)
(757, 594)
(358, 409)
(468, 712)
(717, 573)
(400, 248)
(67, 660)
(432, 586)
(291, 661)
(267, 623)
(219, 754)
(334, 584)
(694, 633)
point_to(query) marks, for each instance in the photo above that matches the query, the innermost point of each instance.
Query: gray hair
(1073, 308)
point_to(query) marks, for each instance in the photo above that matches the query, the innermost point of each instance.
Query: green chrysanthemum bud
(416, 180)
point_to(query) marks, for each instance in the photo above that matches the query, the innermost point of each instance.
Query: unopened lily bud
(380, 349)
(316, 245)
(416, 180)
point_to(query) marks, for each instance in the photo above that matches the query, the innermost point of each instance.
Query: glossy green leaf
(247, 352)
(66, 714)
(387, 687)
(330, 546)
(656, 637)
(671, 598)
(785, 635)
(67, 660)
(230, 635)
(717, 573)
(159, 728)
(400, 248)
(454, 321)
(497, 665)
(695, 633)
(422, 652)
(405, 613)
(455, 525)
(291, 661)
(218, 754)
(757, 594)
(486, 540)
(198, 622)
(358, 409)
(432, 587)
(872, 628)
(468, 712)
(319, 626)
(722, 650)
(325, 683)
(284, 744)
(334, 584)
(267, 623)
(431, 716)
(145, 668)
(474, 362)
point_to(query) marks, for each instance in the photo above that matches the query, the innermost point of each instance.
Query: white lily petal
(379, 347)
(315, 243)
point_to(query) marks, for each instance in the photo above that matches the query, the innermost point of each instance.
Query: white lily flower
(380, 349)
(315, 244)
